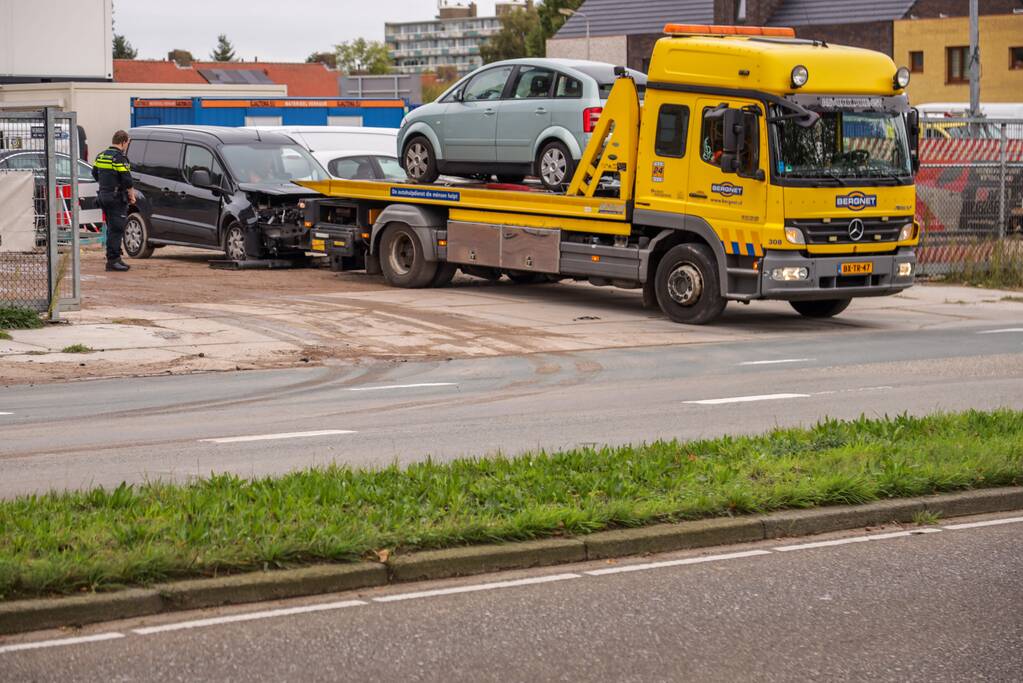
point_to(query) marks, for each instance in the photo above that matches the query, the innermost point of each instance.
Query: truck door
(734, 204)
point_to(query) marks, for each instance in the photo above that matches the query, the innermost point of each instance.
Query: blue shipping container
(285, 111)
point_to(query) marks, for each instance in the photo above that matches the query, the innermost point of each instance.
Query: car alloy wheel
(133, 235)
(234, 245)
(417, 159)
(553, 167)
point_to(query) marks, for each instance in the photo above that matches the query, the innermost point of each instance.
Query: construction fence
(40, 209)
(970, 195)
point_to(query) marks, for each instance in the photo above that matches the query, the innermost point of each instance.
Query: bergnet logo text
(855, 201)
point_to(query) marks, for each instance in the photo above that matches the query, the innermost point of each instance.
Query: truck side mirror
(733, 139)
(913, 131)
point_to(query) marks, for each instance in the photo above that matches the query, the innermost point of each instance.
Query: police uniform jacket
(113, 173)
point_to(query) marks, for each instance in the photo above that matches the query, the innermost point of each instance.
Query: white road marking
(406, 386)
(476, 587)
(855, 539)
(249, 616)
(1007, 329)
(2, 413)
(676, 563)
(17, 647)
(775, 362)
(745, 399)
(990, 522)
(274, 437)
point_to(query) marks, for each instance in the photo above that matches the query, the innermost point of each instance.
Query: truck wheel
(136, 237)
(234, 242)
(445, 274)
(419, 160)
(825, 308)
(403, 261)
(687, 285)
(555, 166)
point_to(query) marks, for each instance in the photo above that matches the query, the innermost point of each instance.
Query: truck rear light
(590, 117)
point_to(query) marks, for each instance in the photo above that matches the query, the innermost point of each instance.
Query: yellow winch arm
(613, 144)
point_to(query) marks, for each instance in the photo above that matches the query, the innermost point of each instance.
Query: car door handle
(541, 110)
(165, 190)
(697, 195)
(182, 194)
(488, 112)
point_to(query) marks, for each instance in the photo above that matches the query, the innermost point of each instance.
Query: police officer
(113, 173)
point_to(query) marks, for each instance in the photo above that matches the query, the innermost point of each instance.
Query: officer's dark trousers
(116, 211)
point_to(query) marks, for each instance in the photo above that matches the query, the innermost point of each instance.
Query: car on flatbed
(510, 119)
(219, 188)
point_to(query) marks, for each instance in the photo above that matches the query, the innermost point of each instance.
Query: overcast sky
(271, 30)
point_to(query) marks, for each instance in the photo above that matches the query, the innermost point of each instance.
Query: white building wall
(56, 39)
(104, 108)
(611, 49)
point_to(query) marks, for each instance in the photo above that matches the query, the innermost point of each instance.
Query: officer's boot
(118, 265)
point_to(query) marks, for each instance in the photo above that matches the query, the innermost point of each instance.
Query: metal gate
(970, 194)
(39, 246)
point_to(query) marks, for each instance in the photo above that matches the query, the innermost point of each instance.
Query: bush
(19, 318)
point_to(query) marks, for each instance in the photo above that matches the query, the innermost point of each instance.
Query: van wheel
(825, 308)
(555, 166)
(419, 160)
(234, 242)
(136, 237)
(403, 260)
(687, 285)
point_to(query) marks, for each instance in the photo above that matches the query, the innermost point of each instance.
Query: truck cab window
(712, 144)
(672, 129)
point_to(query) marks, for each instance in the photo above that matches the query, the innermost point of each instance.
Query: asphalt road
(255, 423)
(940, 606)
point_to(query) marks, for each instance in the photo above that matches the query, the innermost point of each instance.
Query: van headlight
(908, 232)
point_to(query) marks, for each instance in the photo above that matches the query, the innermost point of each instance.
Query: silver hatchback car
(510, 119)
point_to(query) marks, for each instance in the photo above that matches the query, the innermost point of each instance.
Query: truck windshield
(279, 164)
(845, 147)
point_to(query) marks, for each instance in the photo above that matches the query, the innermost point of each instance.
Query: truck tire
(555, 166)
(234, 242)
(420, 161)
(403, 260)
(136, 237)
(687, 285)
(824, 308)
(445, 274)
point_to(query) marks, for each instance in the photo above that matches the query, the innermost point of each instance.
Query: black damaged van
(212, 187)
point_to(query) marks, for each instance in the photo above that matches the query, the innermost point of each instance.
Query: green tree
(123, 49)
(363, 57)
(510, 41)
(328, 58)
(224, 52)
(182, 57)
(549, 21)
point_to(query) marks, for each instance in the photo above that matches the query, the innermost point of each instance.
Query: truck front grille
(837, 231)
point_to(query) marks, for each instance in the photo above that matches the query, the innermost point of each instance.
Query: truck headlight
(794, 236)
(901, 78)
(799, 76)
(790, 274)
(908, 232)
(905, 269)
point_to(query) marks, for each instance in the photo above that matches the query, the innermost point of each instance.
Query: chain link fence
(39, 211)
(970, 197)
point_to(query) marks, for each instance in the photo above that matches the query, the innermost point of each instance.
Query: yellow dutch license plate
(857, 268)
(319, 245)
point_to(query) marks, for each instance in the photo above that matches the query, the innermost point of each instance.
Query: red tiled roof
(303, 80)
(153, 71)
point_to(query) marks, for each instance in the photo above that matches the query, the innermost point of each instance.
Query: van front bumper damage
(824, 279)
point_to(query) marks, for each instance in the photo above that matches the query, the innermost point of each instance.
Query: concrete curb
(32, 615)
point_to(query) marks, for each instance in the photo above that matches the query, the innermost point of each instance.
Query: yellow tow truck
(757, 166)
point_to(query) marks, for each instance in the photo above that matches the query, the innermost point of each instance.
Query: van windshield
(278, 164)
(845, 146)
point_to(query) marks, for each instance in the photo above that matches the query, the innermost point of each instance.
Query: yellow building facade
(937, 50)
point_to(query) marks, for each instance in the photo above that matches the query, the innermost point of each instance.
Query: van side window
(672, 129)
(568, 87)
(197, 158)
(163, 159)
(136, 155)
(712, 144)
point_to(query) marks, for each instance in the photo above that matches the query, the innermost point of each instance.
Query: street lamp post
(570, 12)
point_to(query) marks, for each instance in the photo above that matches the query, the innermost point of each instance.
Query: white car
(361, 165)
(348, 152)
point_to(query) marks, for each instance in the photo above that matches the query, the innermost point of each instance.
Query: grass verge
(107, 538)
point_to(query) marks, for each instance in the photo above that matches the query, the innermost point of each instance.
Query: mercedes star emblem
(856, 230)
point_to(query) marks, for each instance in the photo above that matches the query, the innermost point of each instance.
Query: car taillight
(590, 117)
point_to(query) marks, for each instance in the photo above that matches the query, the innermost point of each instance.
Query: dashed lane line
(778, 361)
(1001, 331)
(745, 399)
(248, 616)
(676, 563)
(990, 522)
(275, 437)
(856, 539)
(476, 587)
(18, 647)
(405, 386)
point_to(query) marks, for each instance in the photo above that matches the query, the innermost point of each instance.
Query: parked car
(219, 188)
(511, 119)
(353, 151)
(35, 161)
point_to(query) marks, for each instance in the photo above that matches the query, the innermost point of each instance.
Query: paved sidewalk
(465, 320)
